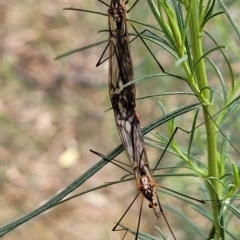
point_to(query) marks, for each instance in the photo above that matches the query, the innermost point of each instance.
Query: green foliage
(183, 24)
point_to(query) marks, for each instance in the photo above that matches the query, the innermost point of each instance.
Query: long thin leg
(131, 6)
(161, 210)
(103, 3)
(104, 51)
(118, 165)
(139, 219)
(182, 78)
(195, 199)
(118, 223)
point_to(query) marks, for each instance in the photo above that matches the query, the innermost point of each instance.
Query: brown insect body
(123, 101)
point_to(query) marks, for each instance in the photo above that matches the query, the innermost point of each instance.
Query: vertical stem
(201, 78)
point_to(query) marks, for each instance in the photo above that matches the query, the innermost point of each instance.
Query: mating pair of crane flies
(123, 104)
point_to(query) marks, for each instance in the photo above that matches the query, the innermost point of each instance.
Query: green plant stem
(201, 78)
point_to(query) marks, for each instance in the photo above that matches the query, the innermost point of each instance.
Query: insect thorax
(117, 11)
(147, 189)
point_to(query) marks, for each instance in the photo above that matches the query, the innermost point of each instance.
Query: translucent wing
(123, 101)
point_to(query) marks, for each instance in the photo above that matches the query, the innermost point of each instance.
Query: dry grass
(47, 106)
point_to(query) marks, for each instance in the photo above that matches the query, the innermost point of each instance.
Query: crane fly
(123, 103)
(123, 100)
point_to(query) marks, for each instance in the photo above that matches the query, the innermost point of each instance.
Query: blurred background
(53, 112)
